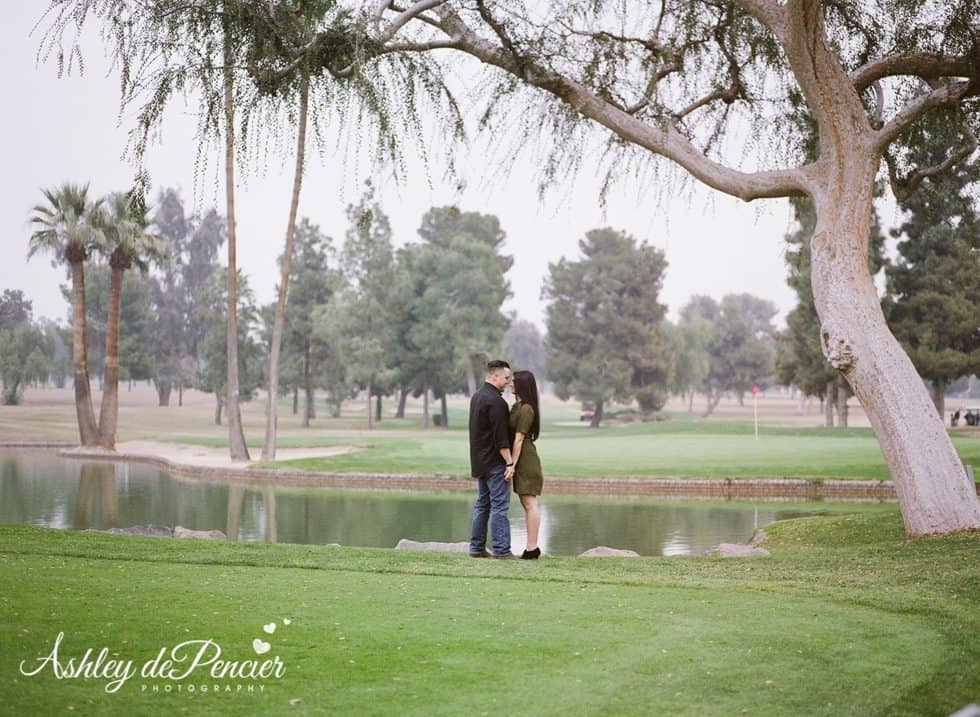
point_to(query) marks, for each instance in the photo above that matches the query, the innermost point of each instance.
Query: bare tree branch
(949, 94)
(407, 15)
(926, 65)
(666, 141)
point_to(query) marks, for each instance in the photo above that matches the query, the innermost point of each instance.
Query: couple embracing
(502, 455)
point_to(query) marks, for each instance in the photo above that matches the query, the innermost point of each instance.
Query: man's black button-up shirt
(488, 430)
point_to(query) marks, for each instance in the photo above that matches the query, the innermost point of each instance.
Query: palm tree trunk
(87, 427)
(236, 436)
(109, 412)
(271, 409)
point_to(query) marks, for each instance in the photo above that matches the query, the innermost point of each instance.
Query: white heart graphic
(260, 646)
(270, 628)
(286, 621)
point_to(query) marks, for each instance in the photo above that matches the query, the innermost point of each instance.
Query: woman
(525, 424)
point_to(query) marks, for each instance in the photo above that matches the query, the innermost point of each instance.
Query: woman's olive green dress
(528, 478)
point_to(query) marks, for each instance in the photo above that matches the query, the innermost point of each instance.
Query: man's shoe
(507, 556)
(484, 554)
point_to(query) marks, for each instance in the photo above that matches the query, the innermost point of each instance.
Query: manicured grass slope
(847, 617)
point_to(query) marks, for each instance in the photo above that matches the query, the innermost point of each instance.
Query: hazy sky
(54, 130)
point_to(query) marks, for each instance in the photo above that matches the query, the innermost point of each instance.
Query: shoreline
(600, 486)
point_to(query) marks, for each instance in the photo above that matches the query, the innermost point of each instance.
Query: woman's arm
(516, 452)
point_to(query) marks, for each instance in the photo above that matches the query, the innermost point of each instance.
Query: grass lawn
(846, 617)
(669, 448)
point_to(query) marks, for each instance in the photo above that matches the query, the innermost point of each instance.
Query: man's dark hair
(496, 364)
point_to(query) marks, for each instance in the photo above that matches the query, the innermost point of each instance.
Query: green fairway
(846, 617)
(669, 448)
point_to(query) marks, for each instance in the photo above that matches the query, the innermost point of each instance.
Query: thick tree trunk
(271, 408)
(88, 429)
(690, 402)
(932, 486)
(939, 397)
(163, 387)
(236, 436)
(425, 400)
(296, 399)
(828, 404)
(109, 412)
(445, 412)
(377, 411)
(596, 415)
(217, 410)
(402, 399)
(180, 391)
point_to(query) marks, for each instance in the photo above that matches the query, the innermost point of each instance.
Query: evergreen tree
(605, 323)
(933, 299)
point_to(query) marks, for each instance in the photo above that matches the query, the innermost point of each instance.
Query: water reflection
(40, 488)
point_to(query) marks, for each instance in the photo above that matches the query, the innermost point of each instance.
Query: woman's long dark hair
(526, 388)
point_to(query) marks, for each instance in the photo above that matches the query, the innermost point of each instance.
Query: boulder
(602, 551)
(147, 531)
(181, 532)
(736, 550)
(405, 544)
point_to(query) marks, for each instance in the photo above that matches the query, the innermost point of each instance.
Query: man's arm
(498, 422)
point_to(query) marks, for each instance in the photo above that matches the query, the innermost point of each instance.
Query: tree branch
(903, 187)
(926, 65)
(666, 141)
(768, 12)
(949, 94)
(407, 15)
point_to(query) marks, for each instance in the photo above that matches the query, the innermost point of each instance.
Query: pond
(38, 487)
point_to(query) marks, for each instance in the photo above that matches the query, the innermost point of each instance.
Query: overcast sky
(55, 130)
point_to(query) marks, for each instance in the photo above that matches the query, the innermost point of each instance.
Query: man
(491, 463)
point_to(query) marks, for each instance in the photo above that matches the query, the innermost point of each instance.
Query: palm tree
(128, 243)
(64, 227)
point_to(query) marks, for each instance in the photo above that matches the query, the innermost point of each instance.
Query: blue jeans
(492, 502)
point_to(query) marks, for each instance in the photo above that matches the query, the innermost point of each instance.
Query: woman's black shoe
(531, 554)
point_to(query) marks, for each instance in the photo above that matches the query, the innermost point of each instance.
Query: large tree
(605, 323)
(369, 265)
(64, 226)
(676, 79)
(313, 282)
(933, 300)
(25, 348)
(803, 364)
(212, 374)
(478, 282)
